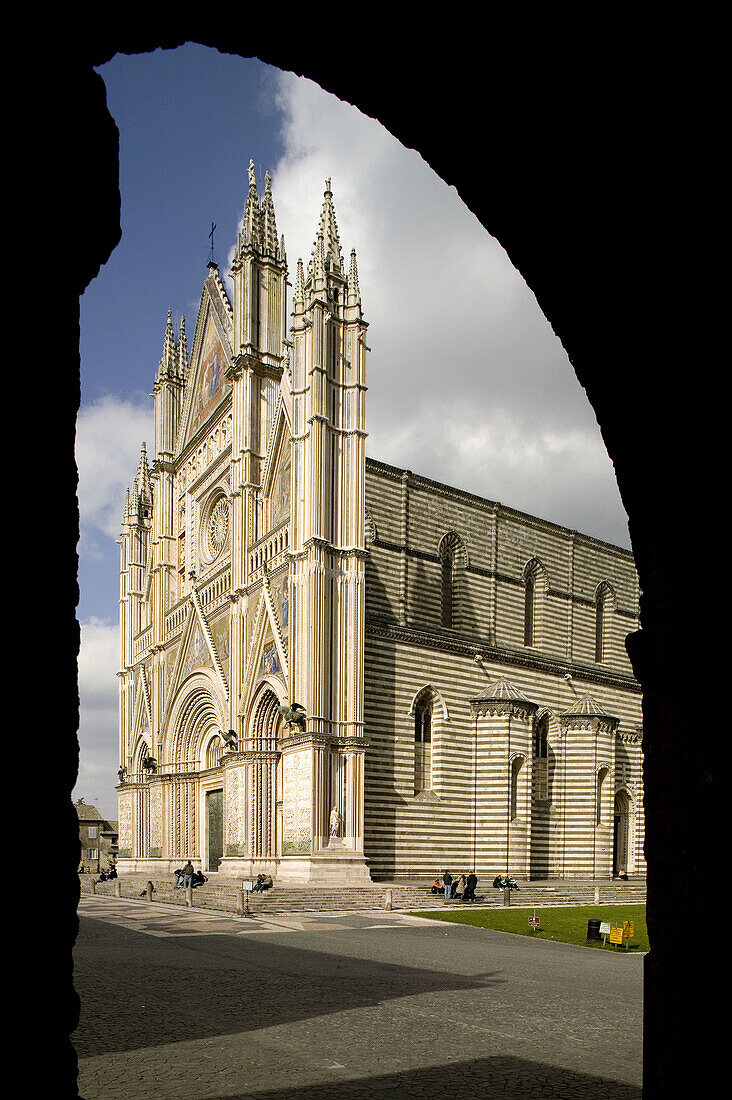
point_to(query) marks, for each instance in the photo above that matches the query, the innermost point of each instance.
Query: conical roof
(503, 689)
(587, 704)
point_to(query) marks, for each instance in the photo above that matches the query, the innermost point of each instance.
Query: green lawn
(565, 924)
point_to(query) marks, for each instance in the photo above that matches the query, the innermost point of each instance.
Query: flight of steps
(221, 894)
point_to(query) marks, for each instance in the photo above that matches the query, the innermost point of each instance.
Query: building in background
(98, 838)
(333, 669)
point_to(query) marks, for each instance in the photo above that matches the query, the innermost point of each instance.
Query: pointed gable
(276, 479)
(207, 385)
(267, 656)
(198, 650)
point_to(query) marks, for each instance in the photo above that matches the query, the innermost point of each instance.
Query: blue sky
(467, 382)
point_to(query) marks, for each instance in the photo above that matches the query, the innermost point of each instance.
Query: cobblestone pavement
(344, 1007)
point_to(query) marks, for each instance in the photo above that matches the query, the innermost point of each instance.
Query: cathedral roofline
(400, 473)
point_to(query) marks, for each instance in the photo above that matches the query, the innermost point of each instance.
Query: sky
(467, 382)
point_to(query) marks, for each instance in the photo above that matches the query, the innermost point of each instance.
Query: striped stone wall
(555, 827)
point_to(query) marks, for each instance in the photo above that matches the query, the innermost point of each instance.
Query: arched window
(604, 600)
(529, 600)
(423, 746)
(516, 766)
(448, 568)
(541, 760)
(534, 586)
(602, 779)
(452, 554)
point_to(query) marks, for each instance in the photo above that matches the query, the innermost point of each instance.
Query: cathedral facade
(336, 670)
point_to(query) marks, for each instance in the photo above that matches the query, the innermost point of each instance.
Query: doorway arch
(622, 818)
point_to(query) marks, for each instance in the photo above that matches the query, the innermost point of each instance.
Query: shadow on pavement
(470, 1080)
(140, 991)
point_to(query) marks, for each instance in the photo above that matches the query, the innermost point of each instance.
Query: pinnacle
(327, 242)
(182, 347)
(299, 293)
(259, 229)
(354, 293)
(252, 177)
(142, 481)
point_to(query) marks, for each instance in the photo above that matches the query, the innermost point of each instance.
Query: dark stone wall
(567, 143)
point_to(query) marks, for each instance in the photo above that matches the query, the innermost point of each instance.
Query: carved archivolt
(195, 717)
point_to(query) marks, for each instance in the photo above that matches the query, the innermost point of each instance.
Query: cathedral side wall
(410, 833)
(408, 650)
(412, 515)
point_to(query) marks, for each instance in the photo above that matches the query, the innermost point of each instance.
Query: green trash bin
(593, 929)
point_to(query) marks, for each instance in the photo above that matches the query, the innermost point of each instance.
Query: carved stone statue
(335, 822)
(293, 715)
(229, 739)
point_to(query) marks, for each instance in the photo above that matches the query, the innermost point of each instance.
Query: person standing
(470, 884)
(447, 881)
(188, 872)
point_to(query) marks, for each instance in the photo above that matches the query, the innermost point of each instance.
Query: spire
(182, 348)
(299, 292)
(142, 480)
(354, 294)
(269, 226)
(319, 256)
(167, 363)
(250, 233)
(327, 241)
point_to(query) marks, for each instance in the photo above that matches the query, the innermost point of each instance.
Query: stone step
(293, 898)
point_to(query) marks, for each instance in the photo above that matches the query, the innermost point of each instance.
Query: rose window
(217, 528)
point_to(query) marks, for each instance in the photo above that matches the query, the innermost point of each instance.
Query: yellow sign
(616, 934)
(628, 928)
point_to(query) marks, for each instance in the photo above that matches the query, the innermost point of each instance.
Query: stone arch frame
(517, 785)
(604, 599)
(535, 579)
(435, 696)
(196, 714)
(553, 743)
(625, 794)
(429, 694)
(452, 553)
(603, 779)
(549, 248)
(139, 752)
(261, 727)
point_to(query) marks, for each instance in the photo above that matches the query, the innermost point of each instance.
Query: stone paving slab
(340, 1009)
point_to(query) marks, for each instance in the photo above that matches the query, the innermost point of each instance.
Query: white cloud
(467, 382)
(109, 436)
(98, 722)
